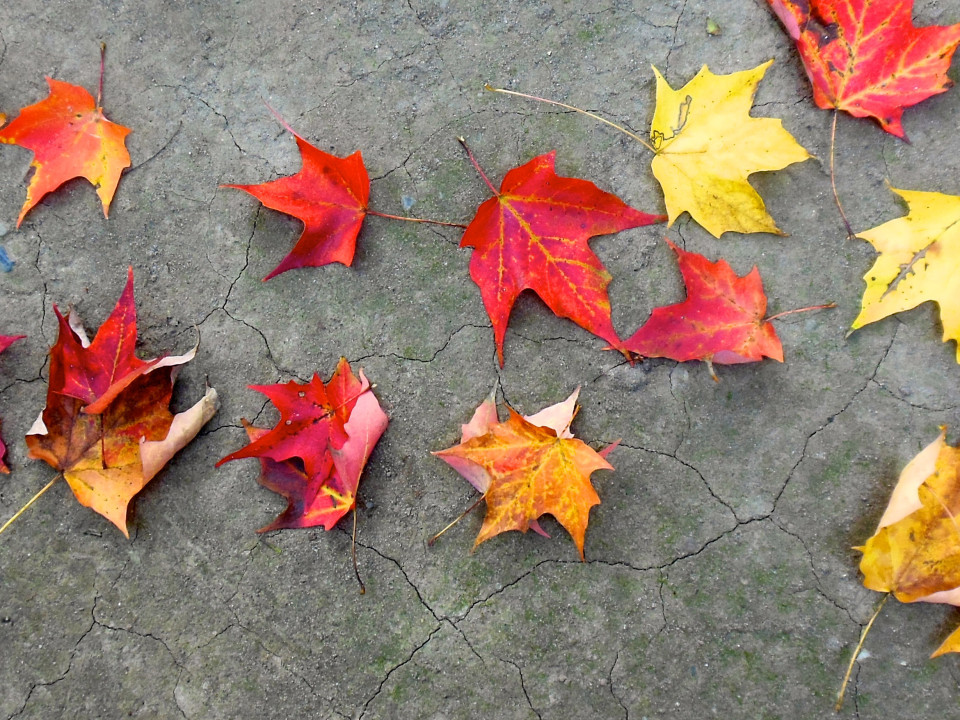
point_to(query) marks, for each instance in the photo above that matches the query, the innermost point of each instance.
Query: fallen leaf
(316, 453)
(915, 552)
(108, 456)
(329, 195)
(721, 321)
(707, 145)
(866, 57)
(533, 235)
(525, 469)
(5, 342)
(919, 260)
(70, 137)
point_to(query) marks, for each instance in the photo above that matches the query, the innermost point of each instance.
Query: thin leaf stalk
(462, 515)
(416, 220)
(856, 653)
(622, 129)
(833, 176)
(476, 165)
(30, 502)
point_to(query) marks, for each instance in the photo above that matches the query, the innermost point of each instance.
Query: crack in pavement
(396, 667)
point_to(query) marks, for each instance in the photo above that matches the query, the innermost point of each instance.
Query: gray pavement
(720, 580)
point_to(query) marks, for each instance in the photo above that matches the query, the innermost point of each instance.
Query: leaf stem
(476, 165)
(30, 502)
(103, 52)
(626, 132)
(356, 569)
(466, 512)
(800, 310)
(417, 220)
(856, 653)
(833, 176)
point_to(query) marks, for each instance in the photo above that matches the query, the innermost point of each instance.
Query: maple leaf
(5, 342)
(329, 195)
(707, 145)
(109, 455)
(721, 321)
(919, 260)
(915, 552)
(866, 57)
(533, 235)
(70, 137)
(526, 467)
(316, 453)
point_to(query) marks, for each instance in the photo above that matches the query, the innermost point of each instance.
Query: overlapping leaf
(316, 453)
(915, 552)
(919, 261)
(526, 467)
(707, 145)
(329, 194)
(866, 57)
(721, 321)
(70, 137)
(533, 235)
(108, 455)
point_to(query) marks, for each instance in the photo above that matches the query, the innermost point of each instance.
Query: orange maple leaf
(70, 137)
(108, 456)
(527, 467)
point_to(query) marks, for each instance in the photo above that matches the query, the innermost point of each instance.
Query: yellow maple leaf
(915, 552)
(919, 261)
(707, 145)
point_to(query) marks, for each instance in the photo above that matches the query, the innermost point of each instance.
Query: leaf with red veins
(330, 195)
(866, 57)
(721, 321)
(533, 235)
(99, 371)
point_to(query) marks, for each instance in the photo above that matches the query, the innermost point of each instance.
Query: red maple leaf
(866, 56)
(721, 321)
(329, 195)
(108, 455)
(70, 137)
(533, 235)
(315, 455)
(5, 342)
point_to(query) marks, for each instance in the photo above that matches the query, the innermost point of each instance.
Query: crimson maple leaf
(866, 56)
(721, 321)
(5, 342)
(329, 195)
(109, 453)
(315, 455)
(70, 137)
(533, 235)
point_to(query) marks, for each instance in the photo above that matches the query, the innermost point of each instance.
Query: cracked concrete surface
(719, 580)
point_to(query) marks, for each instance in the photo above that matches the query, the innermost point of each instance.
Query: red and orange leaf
(70, 137)
(721, 321)
(527, 470)
(5, 342)
(533, 235)
(109, 456)
(329, 195)
(866, 57)
(322, 499)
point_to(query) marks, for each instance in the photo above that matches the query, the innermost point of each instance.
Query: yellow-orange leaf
(915, 553)
(532, 470)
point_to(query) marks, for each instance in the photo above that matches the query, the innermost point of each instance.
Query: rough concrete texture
(720, 580)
